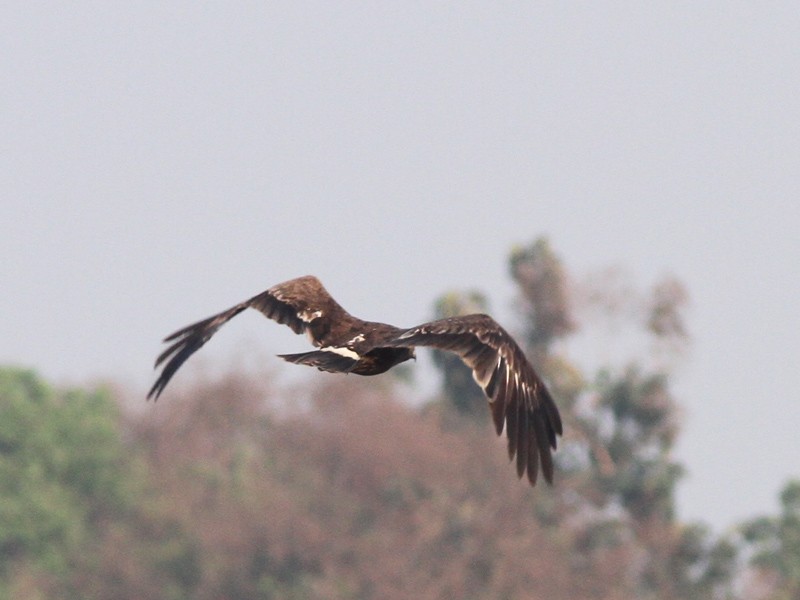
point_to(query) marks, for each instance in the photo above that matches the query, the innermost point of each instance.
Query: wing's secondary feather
(517, 396)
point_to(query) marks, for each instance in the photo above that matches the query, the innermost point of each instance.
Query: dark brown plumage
(517, 396)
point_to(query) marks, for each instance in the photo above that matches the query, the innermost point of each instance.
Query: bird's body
(362, 353)
(345, 344)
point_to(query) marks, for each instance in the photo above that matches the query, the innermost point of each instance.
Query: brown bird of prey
(517, 396)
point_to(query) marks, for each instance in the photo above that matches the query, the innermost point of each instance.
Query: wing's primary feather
(517, 396)
(297, 303)
(187, 341)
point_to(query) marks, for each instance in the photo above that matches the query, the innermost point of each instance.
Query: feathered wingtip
(186, 342)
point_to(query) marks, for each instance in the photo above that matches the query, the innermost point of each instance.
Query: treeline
(351, 488)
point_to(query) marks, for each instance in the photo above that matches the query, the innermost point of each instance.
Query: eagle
(518, 399)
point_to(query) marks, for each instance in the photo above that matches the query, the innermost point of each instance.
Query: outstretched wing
(303, 304)
(517, 396)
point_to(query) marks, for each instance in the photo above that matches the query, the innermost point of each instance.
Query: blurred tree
(59, 477)
(774, 546)
(544, 295)
(624, 426)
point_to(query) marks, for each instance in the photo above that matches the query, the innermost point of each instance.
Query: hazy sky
(162, 161)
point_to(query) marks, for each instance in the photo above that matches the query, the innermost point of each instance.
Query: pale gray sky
(161, 161)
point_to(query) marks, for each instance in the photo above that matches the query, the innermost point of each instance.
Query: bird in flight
(518, 399)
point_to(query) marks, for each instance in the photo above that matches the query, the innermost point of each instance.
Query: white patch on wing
(475, 378)
(341, 351)
(307, 316)
(358, 338)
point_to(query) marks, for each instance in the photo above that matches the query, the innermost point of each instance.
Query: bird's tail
(323, 360)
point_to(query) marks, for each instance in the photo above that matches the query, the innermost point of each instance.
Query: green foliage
(774, 543)
(638, 427)
(59, 473)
